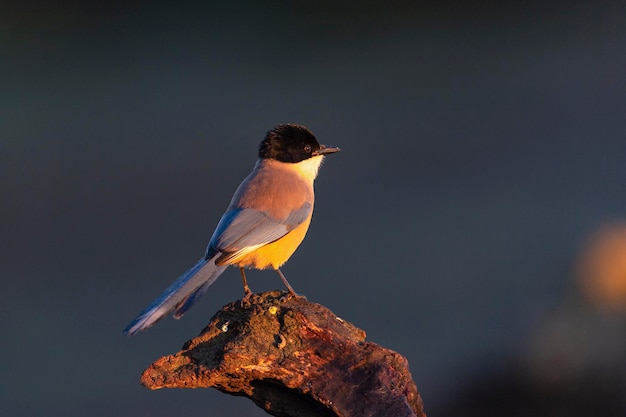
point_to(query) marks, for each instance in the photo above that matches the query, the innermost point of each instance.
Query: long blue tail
(179, 296)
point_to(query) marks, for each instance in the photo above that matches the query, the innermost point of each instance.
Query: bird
(265, 222)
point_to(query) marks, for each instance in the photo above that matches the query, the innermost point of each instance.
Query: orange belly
(274, 254)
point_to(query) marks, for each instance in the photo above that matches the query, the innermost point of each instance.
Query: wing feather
(245, 229)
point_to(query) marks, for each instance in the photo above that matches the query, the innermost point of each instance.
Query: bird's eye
(307, 149)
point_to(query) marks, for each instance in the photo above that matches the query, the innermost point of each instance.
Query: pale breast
(275, 188)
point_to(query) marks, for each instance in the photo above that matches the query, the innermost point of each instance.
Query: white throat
(309, 167)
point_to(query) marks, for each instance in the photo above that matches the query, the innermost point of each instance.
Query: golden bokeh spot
(601, 269)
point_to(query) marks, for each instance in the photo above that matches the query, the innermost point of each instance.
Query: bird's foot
(246, 299)
(292, 294)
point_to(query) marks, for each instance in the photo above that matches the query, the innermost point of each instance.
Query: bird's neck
(306, 169)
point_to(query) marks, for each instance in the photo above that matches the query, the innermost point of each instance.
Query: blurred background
(475, 220)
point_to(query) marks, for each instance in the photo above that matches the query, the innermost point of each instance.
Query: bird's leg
(246, 289)
(289, 287)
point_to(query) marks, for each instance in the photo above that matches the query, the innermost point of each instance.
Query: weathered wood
(292, 358)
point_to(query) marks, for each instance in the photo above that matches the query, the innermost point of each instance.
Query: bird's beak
(323, 150)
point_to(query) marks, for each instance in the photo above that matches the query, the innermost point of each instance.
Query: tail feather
(185, 304)
(179, 296)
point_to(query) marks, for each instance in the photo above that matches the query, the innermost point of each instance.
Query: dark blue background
(481, 144)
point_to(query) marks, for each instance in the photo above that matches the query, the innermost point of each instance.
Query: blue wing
(244, 229)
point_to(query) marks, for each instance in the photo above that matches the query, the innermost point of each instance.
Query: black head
(290, 143)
